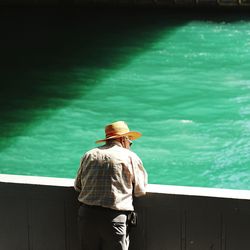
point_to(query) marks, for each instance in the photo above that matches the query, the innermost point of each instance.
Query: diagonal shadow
(41, 47)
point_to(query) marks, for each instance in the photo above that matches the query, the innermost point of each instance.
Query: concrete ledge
(40, 213)
(152, 188)
(36, 180)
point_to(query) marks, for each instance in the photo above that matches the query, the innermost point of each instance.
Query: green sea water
(182, 80)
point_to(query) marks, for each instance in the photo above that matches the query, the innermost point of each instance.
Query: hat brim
(133, 135)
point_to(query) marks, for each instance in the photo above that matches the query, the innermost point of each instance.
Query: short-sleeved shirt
(109, 176)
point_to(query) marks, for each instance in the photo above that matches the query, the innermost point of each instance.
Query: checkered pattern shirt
(109, 176)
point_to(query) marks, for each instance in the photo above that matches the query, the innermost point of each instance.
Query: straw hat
(119, 129)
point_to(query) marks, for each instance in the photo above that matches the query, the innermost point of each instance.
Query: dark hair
(110, 141)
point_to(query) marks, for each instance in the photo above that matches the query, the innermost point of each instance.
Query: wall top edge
(152, 188)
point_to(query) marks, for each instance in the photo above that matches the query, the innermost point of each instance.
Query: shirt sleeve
(140, 177)
(77, 183)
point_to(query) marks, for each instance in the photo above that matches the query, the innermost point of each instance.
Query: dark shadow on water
(44, 50)
(42, 47)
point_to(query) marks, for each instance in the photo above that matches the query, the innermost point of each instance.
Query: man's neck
(114, 142)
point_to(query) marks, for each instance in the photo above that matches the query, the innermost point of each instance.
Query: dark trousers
(102, 228)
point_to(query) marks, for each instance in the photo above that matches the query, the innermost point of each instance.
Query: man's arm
(77, 183)
(140, 178)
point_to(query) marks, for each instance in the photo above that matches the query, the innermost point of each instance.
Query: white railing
(152, 188)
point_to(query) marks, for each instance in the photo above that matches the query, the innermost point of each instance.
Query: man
(108, 178)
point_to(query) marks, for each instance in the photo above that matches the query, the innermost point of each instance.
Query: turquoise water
(184, 82)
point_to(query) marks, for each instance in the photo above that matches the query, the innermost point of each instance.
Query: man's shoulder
(133, 155)
(101, 150)
(90, 152)
(114, 150)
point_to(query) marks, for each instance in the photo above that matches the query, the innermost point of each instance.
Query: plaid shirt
(109, 176)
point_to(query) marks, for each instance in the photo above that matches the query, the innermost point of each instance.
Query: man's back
(107, 176)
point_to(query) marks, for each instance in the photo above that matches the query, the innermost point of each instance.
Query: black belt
(131, 215)
(100, 208)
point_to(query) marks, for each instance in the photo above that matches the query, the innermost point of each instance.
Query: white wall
(38, 213)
